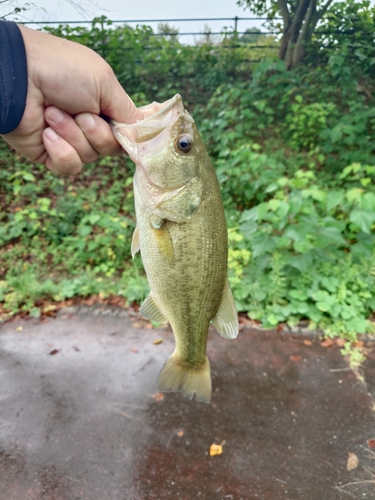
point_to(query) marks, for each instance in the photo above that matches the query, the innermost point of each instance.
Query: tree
(299, 17)
(13, 9)
(250, 35)
(168, 31)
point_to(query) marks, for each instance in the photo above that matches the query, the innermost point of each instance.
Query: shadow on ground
(81, 418)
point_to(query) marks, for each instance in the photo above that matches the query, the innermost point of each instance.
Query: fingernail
(85, 121)
(51, 135)
(55, 115)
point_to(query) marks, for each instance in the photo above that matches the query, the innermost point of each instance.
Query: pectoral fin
(182, 203)
(164, 240)
(149, 309)
(135, 242)
(226, 319)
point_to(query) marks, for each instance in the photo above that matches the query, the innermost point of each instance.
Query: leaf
(363, 219)
(274, 204)
(262, 209)
(358, 325)
(249, 215)
(323, 296)
(28, 176)
(352, 462)
(318, 194)
(283, 209)
(216, 449)
(93, 218)
(272, 320)
(328, 235)
(301, 262)
(331, 283)
(364, 246)
(334, 199)
(327, 343)
(354, 194)
(85, 230)
(158, 396)
(295, 357)
(262, 243)
(368, 202)
(298, 232)
(298, 294)
(248, 228)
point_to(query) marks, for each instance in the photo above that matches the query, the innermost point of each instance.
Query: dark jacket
(13, 76)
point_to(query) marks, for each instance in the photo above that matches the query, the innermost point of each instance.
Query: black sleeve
(13, 76)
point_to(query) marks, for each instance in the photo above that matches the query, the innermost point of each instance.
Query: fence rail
(104, 21)
(192, 19)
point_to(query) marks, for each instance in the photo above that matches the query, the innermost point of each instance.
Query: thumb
(116, 104)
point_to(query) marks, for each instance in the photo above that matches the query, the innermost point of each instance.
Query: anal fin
(135, 242)
(149, 309)
(226, 319)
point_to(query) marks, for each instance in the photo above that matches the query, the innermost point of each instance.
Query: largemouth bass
(182, 236)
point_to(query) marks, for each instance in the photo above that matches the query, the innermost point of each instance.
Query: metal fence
(235, 20)
(233, 30)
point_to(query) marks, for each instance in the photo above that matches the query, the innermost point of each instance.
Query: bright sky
(64, 10)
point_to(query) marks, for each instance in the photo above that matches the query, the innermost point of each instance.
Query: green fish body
(182, 236)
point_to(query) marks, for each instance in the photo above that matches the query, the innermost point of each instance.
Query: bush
(294, 154)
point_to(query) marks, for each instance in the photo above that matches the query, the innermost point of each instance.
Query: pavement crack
(119, 411)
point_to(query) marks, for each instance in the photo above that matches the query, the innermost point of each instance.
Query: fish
(183, 240)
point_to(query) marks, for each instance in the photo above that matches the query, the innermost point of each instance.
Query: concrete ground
(81, 418)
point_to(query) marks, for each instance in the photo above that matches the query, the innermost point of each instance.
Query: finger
(98, 133)
(62, 158)
(116, 103)
(65, 126)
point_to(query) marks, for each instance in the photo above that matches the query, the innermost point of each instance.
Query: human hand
(69, 85)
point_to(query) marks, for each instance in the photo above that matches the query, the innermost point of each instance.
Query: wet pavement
(81, 418)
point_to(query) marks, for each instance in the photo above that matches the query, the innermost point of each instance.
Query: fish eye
(184, 143)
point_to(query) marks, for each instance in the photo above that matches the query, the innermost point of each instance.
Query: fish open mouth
(150, 134)
(157, 110)
(157, 118)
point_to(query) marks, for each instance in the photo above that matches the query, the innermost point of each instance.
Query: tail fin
(178, 377)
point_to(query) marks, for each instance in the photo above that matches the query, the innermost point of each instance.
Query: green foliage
(347, 35)
(307, 121)
(294, 154)
(156, 67)
(279, 110)
(312, 255)
(59, 239)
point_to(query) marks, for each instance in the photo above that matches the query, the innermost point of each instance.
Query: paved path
(81, 418)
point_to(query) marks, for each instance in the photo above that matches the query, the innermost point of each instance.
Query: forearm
(13, 77)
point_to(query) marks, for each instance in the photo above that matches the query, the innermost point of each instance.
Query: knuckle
(69, 164)
(90, 157)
